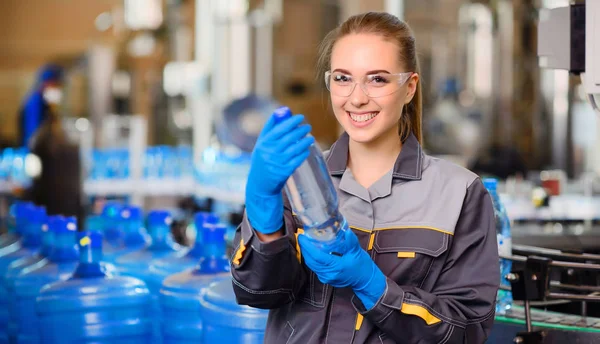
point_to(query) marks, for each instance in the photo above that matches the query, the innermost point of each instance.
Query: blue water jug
(94, 306)
(312, 195)
(13, 234)
(32, 219)
(224, 321)
(63, 260)
(135, 264)
(162, 268)
(135, 236)
(18, 217)
(27, 264)
(180, 293)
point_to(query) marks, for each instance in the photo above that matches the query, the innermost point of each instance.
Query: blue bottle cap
(94, 223)
(89, 239)
(159, 218)
(61, 224)
(490, 183)
(282, 113)
(112, 209)
(205, 218)
(214, 234)
(131, 213)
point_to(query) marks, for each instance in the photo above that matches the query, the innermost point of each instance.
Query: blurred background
(110, 108)
(158, 102)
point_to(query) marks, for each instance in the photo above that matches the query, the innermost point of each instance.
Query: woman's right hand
(281, 148)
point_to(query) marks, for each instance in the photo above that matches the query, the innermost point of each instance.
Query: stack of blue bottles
(27, 264)
(17, 218)
(93, 306)
(95, 223)
(63, 261)
(135, 236)
(181, 293)
(13, 234)
(135, 264)
(162, 268)
(503, 235)
(32, 219)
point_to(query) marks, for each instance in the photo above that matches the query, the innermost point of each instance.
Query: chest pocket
(408, 255)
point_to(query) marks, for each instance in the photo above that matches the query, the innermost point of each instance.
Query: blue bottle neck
(89, 263)
(162, 239)
(113, 234)
(47, 243)
(214, 259)
(135, 234)
(65, 247)
(31, 236)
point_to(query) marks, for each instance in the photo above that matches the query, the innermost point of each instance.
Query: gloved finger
(296, 161)
(293, 136)
(312, 251)
(298, 148)
(284, 127)
(269, 124)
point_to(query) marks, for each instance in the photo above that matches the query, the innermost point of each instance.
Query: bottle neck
(213, 265)
(32, 235)
(135, 234)
(162, 239)
(65, 247)
(47, 243)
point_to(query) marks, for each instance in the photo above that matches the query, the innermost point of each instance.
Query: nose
(359, 96)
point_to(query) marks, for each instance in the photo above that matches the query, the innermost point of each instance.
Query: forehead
(359, 53)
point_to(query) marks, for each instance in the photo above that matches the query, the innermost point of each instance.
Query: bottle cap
(214, 234)
(61, 224)
(112, 209)
(89, 239)
(131, 213)
(159, 218)
(282, 113)
(205, 218)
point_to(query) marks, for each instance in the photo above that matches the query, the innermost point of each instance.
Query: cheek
(392, 106)
(338, 106)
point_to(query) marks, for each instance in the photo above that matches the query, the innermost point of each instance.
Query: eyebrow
(368, 73)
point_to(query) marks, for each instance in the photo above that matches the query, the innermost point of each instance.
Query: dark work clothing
(427, 224)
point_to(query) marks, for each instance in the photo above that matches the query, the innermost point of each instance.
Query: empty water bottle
(312, 195)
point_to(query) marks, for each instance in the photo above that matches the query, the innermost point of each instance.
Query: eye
(341, 78)
(378, 79)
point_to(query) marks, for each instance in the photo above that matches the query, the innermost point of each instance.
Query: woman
(420, 263)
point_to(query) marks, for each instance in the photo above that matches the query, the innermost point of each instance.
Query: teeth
(362, 118)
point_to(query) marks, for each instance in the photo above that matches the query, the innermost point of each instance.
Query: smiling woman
(419, 263)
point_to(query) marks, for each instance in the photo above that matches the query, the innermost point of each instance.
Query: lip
(361, 124)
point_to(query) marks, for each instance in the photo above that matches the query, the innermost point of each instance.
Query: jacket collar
(408, 166)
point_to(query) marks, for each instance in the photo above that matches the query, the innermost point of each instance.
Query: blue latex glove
(280, 149)
(354, 268)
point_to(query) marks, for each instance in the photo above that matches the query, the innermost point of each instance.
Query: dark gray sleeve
(267, 275)
(460, 308)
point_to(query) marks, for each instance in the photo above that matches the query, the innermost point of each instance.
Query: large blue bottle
(224, 321)
(17, 217)
(135, 236)
(503, 235)
(135, 264)
(13, 234)
(161, 268)
(32, 220)
(63, 261)
(181, 292)
(312, 195)
(27, 263)
(93, 306)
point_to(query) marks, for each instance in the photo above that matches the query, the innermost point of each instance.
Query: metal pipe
(557, 284)
(525, 250)
(527, 316)
(563, 296)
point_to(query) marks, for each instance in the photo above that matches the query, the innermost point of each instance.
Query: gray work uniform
(429, 226)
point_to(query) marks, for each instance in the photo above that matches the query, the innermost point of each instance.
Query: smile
(361, 118)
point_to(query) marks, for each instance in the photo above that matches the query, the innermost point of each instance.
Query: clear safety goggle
(374, 85)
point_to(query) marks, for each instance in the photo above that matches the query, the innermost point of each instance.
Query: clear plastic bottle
(503, 235)
(312, 195)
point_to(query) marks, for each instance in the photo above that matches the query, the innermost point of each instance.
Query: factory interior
(126, 136)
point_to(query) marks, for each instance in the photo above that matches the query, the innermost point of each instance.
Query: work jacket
(428, 225)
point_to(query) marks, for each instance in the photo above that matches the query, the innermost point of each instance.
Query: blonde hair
(392, 29)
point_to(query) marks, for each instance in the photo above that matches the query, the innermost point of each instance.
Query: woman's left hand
(343, 263)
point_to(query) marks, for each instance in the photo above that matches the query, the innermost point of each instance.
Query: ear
(411, 87)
